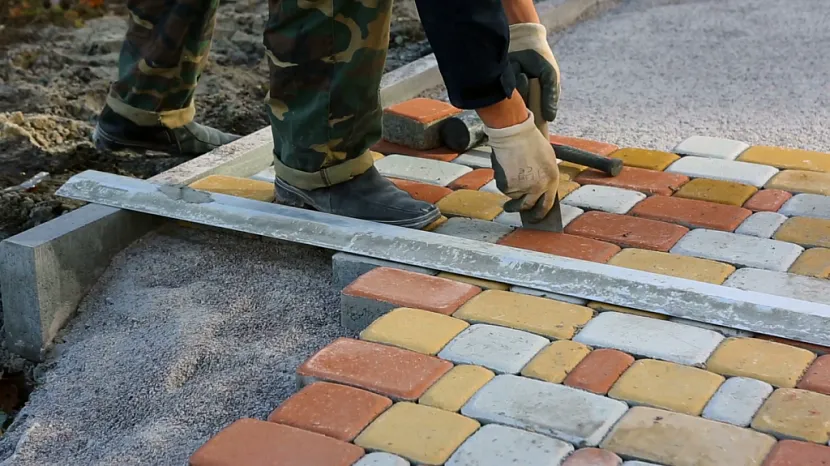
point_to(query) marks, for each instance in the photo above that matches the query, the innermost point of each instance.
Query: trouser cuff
(325, 177)
(168, 118)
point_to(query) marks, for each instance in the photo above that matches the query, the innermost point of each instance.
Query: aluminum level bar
(772, 315)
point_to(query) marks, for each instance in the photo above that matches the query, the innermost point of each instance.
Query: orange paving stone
(637, 179)
(561, 244)
(597, 147)
(627, 231)
(422, 191)
(443, 154)
(337, 411)
(598, 371)
(691, 213)
(473, 180)
(592, 457)
(817, 377)
(394, 372)
(259, 443)
(423, 110)
(797, 453)
(409, 289)
(767, 200)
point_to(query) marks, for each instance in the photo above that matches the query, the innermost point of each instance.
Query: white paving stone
(726, 170)
(491, 188)
(807, 205)
(418, 169)
(737, 400)
(475, 229)
(725, 331)
(650, 338)
(501, 349)
(740, 250)
(783, 284)
(713, 148)
(381, 459)
(266, 175)
(604, 198)
(478, 157)
(574, 416)
(761, 224)
(549, 295)
(514, 219)
(495, 445)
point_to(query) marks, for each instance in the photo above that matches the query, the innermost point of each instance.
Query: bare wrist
(520, 11)
(508, 112)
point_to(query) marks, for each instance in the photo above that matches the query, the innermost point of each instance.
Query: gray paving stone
(549, 295)
(568, 414)
(650, 338)
(418, 169)
(381, 459)
(491, 188)
(761, 224)
(496, 445)
(604, 198)
(737, 400)
(710, 147)
(514, 219)
(346, 268)
(266, 175)
(475, 229)
(500, 349)
(725, 331)
(781, 284)
(475, 158)
(807, 205)
(726, 170)
(740, 250)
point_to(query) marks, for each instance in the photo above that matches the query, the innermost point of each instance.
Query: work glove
(530, 57)
(525, 167)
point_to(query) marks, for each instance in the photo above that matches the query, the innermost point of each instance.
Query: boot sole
(105, 142)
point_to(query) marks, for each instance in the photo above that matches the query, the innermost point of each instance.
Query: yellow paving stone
(376, 156)
(692, 268)
(414, 329)
(603, 307)
(645, 158)
(666, 385)
(800, 181)
(421, 434)
(542, 316)
(441, 220)
(784, 157)
(556, 361)
(235, 186)
(568, 170)
(566, 187)
(806, 231)
(472, 204)
(722, 192)
(813, 262)
(665, 437)
(456, 387)
(481, 283)
(775, 363)
(794, 413)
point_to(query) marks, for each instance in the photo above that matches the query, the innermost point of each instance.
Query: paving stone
(565, 413)
(437, 223)
(692, 213)
(380, 458)
(502, 350)
(596, 147)
(767, 200)
(711, 147)
(347, 268)
(477, 157)
(761, 224)
(673, 265)
(780, 284)
(604, 198)
(795, 414)
(721, 192)
(807, 205)
(566, 187)
(806, 231)
(777, 364)
(481, 283)
(741, 250)
(474, 229)
(650, 338)
(725, 170)
(549, 295)
(560, 244)
(266, 175)
(817, 377)
(666, 385)
(786, 157)
(545, 317)
(592, 457)
(413, 329)
(473, 180)
(639, 463)
(456, 387)
(725, 331)
(598, 371)
(569, 171)
(644, 158)
(397, 373)
(495, 445)
(251, 441)
(416, 123)
(636, 179)
(334, 410)
(419, 433)
(514, 219)
(664, 437)
(799, 181)
(553, 363)
(737, 401)
(420, 169)
(605, 307)
(235, 186)
(441, 154)
(472, 204)
(422, 191)
(795, 453)
(627, 231)
(491, 188)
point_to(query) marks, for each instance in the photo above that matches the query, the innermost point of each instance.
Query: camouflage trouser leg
(164, 53)
(326, 60)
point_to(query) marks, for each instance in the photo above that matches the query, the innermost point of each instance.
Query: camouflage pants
(326, 59)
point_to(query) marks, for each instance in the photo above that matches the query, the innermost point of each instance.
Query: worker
(326, 59)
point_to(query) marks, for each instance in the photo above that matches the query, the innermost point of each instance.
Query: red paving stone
(818, 349)
(409, 289)
(333, 410)
(637, 179)
(627, 231)
(397, 373)
(422, 191)
(592, 457)
(691, 213)
(797, 453)
(598, 371)
(259, 443)
(443, 154)
(473, 180)
(423, 110)
(597, 147)
(561, 244)
(817, 377)
(767, 200)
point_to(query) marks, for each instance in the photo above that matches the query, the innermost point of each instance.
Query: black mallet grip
(607, 165)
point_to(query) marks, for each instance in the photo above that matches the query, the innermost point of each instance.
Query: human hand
(530, 56)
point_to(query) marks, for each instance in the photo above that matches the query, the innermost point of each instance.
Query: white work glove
(525, 167)
(530, 57)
